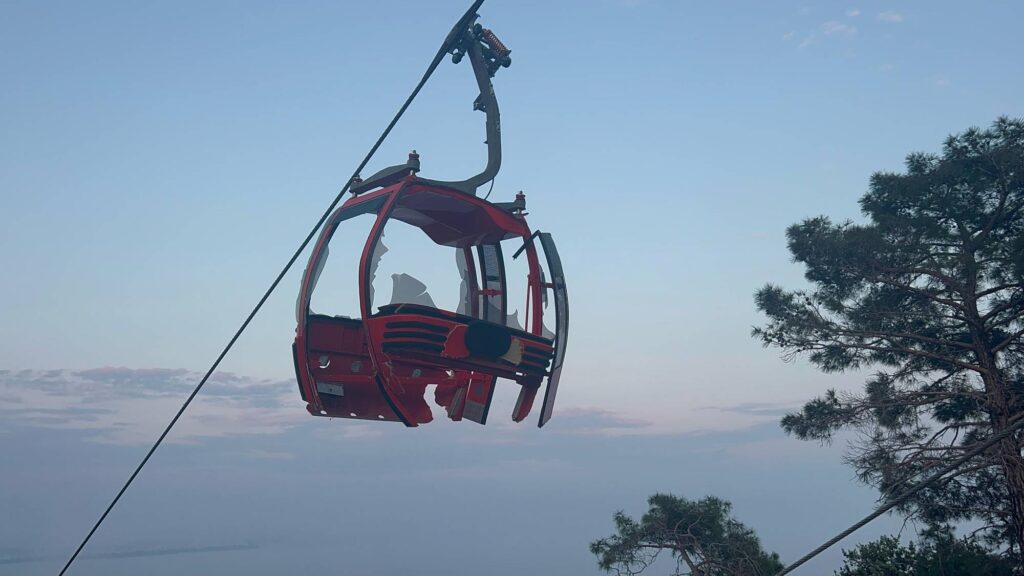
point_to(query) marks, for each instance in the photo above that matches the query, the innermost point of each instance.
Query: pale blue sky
(158, 163)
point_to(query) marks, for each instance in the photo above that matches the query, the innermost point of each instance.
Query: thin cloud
(835, 27)
(582, 421)
(772, 410)
(890, 16)
(135, 553)
(128, 406)
(260, 454)
(788, 36)
(131, 406)
(146, 553)
(853, 13)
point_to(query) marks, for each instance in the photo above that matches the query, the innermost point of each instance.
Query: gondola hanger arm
(486, 54)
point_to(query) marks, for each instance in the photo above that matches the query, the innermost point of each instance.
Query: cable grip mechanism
(493, 50)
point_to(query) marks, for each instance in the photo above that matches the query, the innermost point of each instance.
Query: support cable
(455, 34)
(906, 494)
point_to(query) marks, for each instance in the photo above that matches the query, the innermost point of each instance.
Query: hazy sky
(159, 163)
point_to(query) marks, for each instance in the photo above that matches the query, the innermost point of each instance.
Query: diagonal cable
(906, 494)
(455, 33)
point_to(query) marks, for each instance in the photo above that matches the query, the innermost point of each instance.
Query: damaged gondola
(378, 366)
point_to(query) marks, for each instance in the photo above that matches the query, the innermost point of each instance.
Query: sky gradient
(159, 163)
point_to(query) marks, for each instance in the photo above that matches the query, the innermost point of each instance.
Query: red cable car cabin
(378, 367)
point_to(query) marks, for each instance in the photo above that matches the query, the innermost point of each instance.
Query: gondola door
(554, 284)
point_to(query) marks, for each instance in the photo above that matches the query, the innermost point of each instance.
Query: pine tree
(928, 295)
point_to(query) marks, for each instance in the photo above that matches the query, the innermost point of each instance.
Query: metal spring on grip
(495, 44)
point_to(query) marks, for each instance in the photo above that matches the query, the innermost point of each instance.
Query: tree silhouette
(929, 294)
(701, 536)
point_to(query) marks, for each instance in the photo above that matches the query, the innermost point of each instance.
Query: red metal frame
(378, 367)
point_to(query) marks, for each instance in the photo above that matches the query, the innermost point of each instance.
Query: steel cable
(906, 494)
